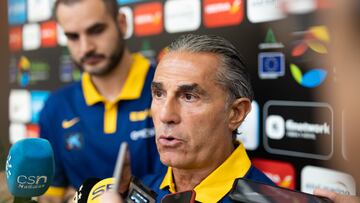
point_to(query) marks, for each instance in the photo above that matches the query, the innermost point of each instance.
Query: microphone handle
(24, 200)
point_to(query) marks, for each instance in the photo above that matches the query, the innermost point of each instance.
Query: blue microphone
(29, 168)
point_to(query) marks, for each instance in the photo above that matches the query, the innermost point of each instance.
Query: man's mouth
(92, 60)
(169, 141)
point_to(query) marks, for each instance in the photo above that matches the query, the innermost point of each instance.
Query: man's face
(94, 38)
(188, 108)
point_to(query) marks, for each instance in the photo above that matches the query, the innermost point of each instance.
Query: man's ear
(121, 21)
(239, 110)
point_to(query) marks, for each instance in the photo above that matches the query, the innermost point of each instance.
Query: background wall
(285, 44)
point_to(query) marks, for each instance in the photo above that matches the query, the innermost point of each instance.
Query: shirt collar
(132, 87)
(215, 186)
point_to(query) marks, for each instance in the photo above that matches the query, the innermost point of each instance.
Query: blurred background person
(86, 121)
(345, 57)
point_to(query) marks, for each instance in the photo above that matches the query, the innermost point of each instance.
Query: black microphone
(83, 192)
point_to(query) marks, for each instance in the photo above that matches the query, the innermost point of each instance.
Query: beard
(113, 60)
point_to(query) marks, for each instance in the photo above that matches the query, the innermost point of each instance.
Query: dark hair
(111, 6)
(233, 76)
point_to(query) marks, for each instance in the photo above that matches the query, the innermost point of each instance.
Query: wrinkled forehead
(186, 68)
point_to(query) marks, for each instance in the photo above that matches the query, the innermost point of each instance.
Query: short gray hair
(233, 76)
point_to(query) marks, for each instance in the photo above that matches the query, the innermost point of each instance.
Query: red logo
(32, 131)
(15, 38)
(219, 13)
(148, 19)
(48, 34)
(281, 173)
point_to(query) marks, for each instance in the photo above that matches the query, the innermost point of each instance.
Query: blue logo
(74, 141)
(17, 11)
(38, 99)
(310, 79)
(271, 65)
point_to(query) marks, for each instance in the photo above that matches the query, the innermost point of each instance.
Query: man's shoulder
(66, 91)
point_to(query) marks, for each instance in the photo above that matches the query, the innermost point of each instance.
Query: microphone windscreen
(85, 188)
(99, 189)
(30, 167)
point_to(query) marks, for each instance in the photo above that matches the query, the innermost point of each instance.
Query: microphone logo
(31, 182)
(8, 166)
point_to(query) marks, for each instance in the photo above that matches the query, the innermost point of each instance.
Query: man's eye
(189, 97)
(157, 93)
(72, 37)
(97, 30)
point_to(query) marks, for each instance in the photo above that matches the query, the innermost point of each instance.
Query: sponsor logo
(142, 134)
(39, 10)
(38, 99)
(15, 38)
(17, 132)
(139, 115)
(182, 15)
(264, 10)
(74, 141)
(69, 123)
(31, 37)
(218, 13)
(48, 34)
(270, 41)
(281, 173)
(275, 127)
(20, 106)
(310, 79)
(290, 125)
(316, 177)
(271, 65)
(33, 131)
(129, 21)
(148, 19)
(248, 132)
(30, 72)
(314, 39)
(23, 71)
(16, 12)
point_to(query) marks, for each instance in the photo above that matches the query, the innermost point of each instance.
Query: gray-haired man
(201, 95)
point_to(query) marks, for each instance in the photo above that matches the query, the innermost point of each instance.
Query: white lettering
(144, 133)
(307, 127)
(31, 180)
(217, 8)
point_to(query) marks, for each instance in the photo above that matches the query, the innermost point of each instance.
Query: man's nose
(170, 112)
(86, 45)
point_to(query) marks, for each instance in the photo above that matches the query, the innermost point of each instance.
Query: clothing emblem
(135, 116)
(69, 123)
(74, 141)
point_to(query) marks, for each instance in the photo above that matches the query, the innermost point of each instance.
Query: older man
(201, 95)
